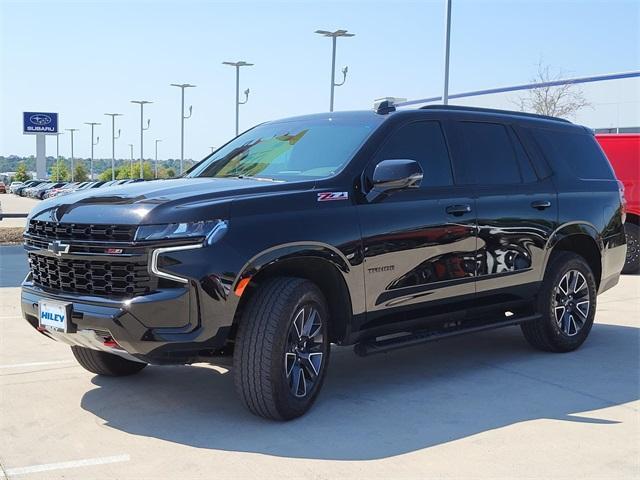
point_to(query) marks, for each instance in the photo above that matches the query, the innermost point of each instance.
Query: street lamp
(142, 103)
(58, 155)
(334, 36)
(182, 86)
(113, 142)
(93, 124)
(131, 163)
(157, 141)
(239, 64)
(447, 44)
(71, 130)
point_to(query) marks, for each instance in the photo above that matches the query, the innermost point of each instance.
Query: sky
(84, 58)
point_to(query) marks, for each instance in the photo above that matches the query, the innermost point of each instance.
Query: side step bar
(372, 347)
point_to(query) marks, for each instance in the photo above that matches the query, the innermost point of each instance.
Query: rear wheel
(104, 363)
(632, 263)
(567, 303)
(282, 348)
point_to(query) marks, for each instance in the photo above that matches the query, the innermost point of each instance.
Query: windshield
(288, 150)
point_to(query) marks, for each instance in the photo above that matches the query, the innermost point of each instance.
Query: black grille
(94, 277)
(81, 231)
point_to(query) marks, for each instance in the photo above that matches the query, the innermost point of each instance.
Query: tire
(104, 363)
(566, 320)
(632, 263)
(278, 373)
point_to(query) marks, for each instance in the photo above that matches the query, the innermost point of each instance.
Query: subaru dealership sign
(39, 122)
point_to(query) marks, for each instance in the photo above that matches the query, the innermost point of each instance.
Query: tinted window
(578, 151)
(528, 175)
(489, 157)
(424, 143)
(289, 150)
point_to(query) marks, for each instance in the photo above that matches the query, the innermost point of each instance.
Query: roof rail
(463, 108)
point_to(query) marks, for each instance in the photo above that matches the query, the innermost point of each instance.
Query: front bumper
(167, 326)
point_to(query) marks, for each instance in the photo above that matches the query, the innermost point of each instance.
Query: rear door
(418, 249)
(517, 210)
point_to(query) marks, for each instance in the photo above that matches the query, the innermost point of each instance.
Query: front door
(419, 244)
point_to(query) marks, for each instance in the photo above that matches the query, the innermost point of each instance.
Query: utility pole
(447, 43)
(93, 124)
(131, 163)
(113, 142)
(142, 103)
(72, 130)
(334, 36)
(58, 155)
(237, 65)
(156, 164)
(182, 86)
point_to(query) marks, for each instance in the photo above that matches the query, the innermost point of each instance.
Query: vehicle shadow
(385, 405)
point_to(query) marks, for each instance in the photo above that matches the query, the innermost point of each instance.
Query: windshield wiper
(260, 179)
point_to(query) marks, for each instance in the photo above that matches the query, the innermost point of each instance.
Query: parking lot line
(64, 465)
(36, 364)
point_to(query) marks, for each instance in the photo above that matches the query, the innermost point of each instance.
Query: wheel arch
(322, 264)
(581, 238)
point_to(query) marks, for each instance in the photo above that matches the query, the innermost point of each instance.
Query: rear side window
(489, 157)
(423, 142)
(578, 151)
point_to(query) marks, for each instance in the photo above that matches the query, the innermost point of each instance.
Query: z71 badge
(330, 196)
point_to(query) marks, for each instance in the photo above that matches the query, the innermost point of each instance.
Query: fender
(350, 269)
(569, 229)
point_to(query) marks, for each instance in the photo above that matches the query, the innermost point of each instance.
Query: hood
(157, 201)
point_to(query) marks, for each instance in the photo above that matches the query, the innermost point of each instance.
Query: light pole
(58, 155)
(131, 163)
(93, 124)
(182, 86)
(156, 174)
(142, 103)
(113, 142)
(447, 44)
(71, 130)
(239, 64)
(334, 36)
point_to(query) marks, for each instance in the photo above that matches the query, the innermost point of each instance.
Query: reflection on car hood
(158, 201)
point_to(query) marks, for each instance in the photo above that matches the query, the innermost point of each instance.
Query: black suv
(380, 229)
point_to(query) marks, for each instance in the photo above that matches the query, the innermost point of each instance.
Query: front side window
(288, 150)
(423, 142)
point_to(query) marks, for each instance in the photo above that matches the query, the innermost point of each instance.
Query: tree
(125, 171)
(80, 173)
(562, 101)
(105, 176)
(21, 173)
(60, 171)
(171, 173)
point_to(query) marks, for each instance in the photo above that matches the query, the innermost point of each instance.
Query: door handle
(458, 210)
(540, 204)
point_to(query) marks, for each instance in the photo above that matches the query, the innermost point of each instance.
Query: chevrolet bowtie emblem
(58, 247)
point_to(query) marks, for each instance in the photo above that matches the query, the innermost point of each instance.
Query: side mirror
(394, 175)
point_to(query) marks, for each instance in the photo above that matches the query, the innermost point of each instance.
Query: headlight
(210, 230)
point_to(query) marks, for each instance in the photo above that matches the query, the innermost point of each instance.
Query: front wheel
(567, 303)
(282, 348)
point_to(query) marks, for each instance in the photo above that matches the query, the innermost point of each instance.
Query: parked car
(623, 151)
(14, 186)
(3, 188)
(28, 184)
(378, 229)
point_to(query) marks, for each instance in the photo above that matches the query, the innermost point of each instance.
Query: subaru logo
(40, 119)
(58, 247)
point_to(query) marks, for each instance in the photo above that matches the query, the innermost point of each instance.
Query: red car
(623, 151)
(3, 188)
